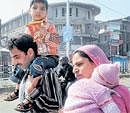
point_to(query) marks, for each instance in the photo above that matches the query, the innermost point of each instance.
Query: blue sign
(123, 62)
(67, 33)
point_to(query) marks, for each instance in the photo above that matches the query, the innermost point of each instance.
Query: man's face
(21, 58)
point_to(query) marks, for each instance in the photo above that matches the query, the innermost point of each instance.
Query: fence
(5, 63)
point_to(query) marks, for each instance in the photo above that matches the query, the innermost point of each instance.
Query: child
(97, 92)
(44, 33)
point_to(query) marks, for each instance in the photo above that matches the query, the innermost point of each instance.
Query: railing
(5, 71)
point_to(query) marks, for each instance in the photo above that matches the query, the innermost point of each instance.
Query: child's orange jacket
(50, 37)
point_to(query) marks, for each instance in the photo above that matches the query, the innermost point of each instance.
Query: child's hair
(40, 1)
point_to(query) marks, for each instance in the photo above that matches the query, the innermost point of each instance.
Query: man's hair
(23, 42)
(40, 1)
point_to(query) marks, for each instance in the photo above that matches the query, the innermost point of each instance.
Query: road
(8, 107)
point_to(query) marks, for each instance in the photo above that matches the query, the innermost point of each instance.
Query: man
(24, 53)
(65, 74)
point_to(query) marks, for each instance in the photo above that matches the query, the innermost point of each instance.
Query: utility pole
(67, 30)
(67, 25)
(0, 29)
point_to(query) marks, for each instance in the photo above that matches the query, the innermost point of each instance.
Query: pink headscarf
(95, 53)
(107, 74)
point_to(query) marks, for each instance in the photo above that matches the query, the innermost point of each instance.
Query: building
(114, 35)
(82, 20)
(114, 39)
(109, 34)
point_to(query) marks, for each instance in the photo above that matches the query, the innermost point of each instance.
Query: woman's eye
(79, 64)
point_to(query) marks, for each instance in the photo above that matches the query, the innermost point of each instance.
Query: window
(77, 12)
(70, 11)
(78, 28)
(89, 15)
(56, 12)
(63, 11)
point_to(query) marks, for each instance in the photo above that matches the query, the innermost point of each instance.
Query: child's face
(38, 11)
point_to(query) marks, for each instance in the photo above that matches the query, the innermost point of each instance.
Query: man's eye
(16, 57)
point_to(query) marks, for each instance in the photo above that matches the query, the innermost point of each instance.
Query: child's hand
(51, 41)
(38, 37)
(44, 27)
(42, 33)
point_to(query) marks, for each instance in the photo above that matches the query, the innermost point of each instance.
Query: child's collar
(35, 22)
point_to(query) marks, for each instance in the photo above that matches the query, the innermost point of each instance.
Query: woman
(84, 60)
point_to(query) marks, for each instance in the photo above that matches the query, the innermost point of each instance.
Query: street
(8, 107)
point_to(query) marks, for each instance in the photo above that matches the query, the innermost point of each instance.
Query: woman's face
(82, 67)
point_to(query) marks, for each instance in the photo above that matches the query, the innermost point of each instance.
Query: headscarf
(96, 54)
(107, 74)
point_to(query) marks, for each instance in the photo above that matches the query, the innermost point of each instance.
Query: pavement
(6, 87)
(8, 107)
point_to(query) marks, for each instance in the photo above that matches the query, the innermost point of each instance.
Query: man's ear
(30, 52)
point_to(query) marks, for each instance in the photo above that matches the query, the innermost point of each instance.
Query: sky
(110, 9)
